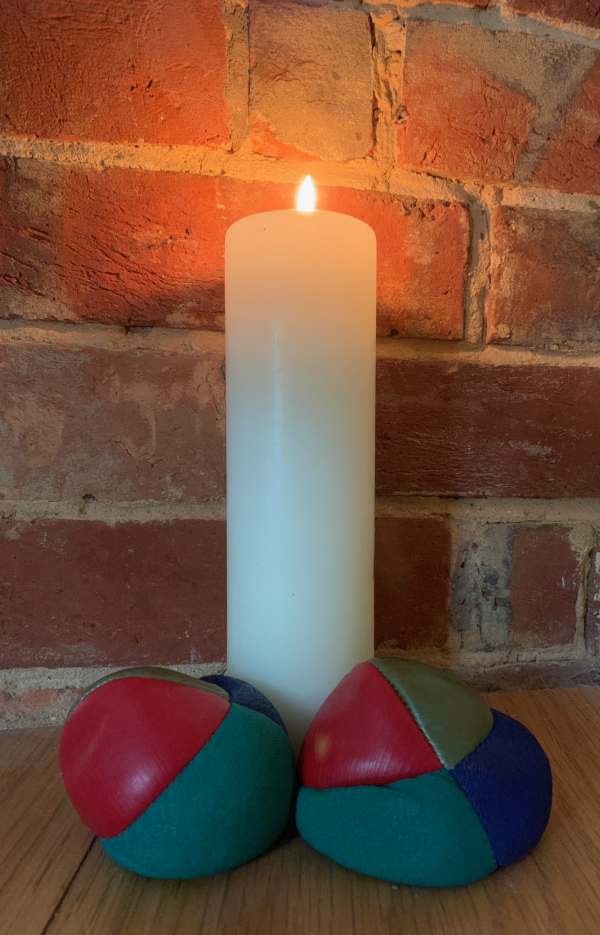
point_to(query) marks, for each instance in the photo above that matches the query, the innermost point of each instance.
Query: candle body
(300, 363)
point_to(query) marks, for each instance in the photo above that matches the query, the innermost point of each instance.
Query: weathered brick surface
(517, 107)
(154, 592)
(515, 586)
(36, 707)
(474, 102)
(312, 81)
(546, 576)
(461, 428)
(115, 425)
(143, 248)
(584, 12)
(151, 71)
(572, 160)
(480, 608)
(545, 277)
(144, 425)
(119, 246)
(84, 593)
(412, 575)
(422, 251)
(592, 623)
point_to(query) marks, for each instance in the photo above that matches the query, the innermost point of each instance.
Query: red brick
(455, 427)
(474, 102)
(119, 246)
(122, 72)
(311, 92)
(546, 575)
(584, 12)
(79, 592)
(422, 252)
(412, 568)
(572, 159)
(545, 277)
(459, 119)
(144, 248)
(115, 425)
(136, 425)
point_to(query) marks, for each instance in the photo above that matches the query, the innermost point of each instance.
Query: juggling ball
(179, 777)
(408, 775)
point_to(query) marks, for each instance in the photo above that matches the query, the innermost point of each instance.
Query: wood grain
(294, 891)
(42, 842)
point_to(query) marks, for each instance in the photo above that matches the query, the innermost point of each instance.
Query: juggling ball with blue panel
(178, 777)
(408, 775)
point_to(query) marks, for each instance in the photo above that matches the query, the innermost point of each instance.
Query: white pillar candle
(300, 361)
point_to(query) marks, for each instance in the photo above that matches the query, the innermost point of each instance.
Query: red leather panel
(363, 734)
(127, 740)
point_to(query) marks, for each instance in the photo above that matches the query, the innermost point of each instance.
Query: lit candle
(300, 359)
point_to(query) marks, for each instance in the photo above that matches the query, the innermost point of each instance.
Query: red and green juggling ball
(409, 776)
(179, 777)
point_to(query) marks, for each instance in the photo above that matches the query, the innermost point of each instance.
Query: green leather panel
(229, 804)
(421, 831)
(453, 716)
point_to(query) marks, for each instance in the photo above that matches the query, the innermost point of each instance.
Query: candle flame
(306, 199)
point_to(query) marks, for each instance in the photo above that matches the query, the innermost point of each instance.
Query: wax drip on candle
(306, 199)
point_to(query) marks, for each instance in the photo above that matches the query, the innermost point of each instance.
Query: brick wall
(131, 136)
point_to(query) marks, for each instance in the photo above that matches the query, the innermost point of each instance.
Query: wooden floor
(55, 880)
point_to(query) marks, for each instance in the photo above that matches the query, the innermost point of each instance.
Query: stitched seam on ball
(464, 792)
(477, 815)
(111, 837)
(414, 716)
(280, 724)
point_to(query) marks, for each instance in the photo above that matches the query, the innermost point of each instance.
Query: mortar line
(573, 511)
(498, 18)
(486, 510)
(112, 513)
(477, 273)
(233, 90)
(455, 352)
(367, 174)
(193, 341)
